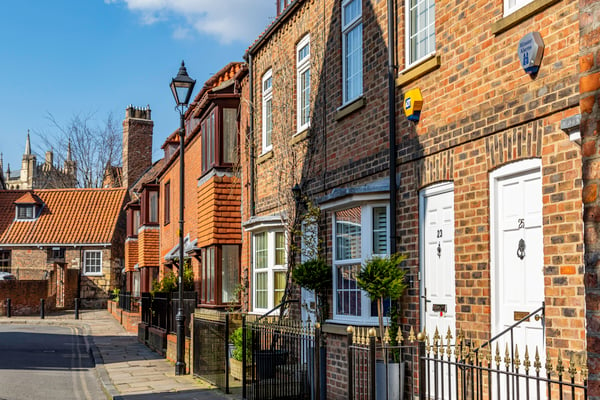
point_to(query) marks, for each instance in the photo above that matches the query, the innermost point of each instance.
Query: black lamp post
(181, 86)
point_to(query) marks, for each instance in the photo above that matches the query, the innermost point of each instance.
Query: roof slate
(68, 216)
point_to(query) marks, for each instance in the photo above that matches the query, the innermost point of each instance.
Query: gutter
(248, 57)
(392, 122)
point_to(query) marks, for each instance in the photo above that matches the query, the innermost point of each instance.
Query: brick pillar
(589, 87)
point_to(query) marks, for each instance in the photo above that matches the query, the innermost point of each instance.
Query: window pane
(153, 207)
(92, 262)
(421, 29)
(379, 231)
(261, 250)
(167, 202)
(261, 290)
(229, 135)
(347, 234)
(5, 260)
(348, 295)
(136, 221)
(304, 97)
(353, 63)
(351, 11)
(279, 287)
(268, 121)
(230, 265)
(279, 248)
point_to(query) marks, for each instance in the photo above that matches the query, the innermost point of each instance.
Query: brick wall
(137, 144)
(25, 297)
(219, 211)
(148, 242)
(168, 232)
(131, 254)
(589, 70)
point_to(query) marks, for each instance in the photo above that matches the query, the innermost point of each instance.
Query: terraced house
(71, 237)
(448, 131)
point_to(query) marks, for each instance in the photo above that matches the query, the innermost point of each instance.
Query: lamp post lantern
(181, 86)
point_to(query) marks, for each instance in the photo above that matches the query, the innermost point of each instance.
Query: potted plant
(315, 275)
(236, 360)
(383, 278)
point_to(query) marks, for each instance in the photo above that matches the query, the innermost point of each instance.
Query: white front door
(438, 291)
(517, 254)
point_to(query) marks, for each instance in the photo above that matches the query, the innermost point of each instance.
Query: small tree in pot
(315, 275)
(382, 278)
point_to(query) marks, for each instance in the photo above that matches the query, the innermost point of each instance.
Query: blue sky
(69, 57)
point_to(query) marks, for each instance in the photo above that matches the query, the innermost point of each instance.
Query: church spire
(27, 145)
(1, 164)
(69, 151)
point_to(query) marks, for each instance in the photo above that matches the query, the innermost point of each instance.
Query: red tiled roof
(69, 216)
(28, 198)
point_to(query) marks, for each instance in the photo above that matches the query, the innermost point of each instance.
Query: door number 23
(439, 233)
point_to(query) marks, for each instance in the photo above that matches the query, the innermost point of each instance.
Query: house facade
(456, 143)
(211, 201)
(48, 234)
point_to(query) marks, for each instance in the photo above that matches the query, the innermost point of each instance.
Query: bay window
(270, 269)
(220, 274)
(359, 233)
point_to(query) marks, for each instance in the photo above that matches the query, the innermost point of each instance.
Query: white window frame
(429, 30)
(267, 97)
(271, 269)
(347, 28)
(27, 216)
(86, 267)
(366, 253)
(516, 5)
(303, 93)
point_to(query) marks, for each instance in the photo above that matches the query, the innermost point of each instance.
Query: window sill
(95, 274)
(349, 108)
(416, 71)
(264, 157)
(341, 327)
(300, 136)
(520, 15)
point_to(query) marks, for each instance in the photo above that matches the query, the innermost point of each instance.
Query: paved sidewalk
(127, 369)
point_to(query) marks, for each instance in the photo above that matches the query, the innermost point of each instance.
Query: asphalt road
(46, 362)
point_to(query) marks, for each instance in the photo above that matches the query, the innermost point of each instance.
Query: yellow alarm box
(413, 103)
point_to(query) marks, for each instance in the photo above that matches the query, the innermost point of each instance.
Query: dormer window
(25, 211)
(28, 207)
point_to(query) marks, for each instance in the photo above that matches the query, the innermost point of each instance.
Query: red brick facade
(482, 113)
(589, 85)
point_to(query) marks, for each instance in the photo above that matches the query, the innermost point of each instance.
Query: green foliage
(169, 282)
(382, 278)
(314, 275)
(115, 294)
(237, 339)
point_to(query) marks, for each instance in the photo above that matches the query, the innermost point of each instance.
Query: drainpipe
(251, 133)
(392, 121)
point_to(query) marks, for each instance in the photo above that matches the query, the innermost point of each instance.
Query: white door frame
(516, 168)
(429, 191)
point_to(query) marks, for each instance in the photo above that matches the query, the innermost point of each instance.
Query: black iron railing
(128, 302)
(160, 310)
(284, 360)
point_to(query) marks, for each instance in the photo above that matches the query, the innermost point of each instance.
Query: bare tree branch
(94, 146)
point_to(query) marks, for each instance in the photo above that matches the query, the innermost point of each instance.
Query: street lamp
(181, 86)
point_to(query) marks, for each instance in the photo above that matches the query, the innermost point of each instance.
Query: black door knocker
(439, 250)
(521, 249)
